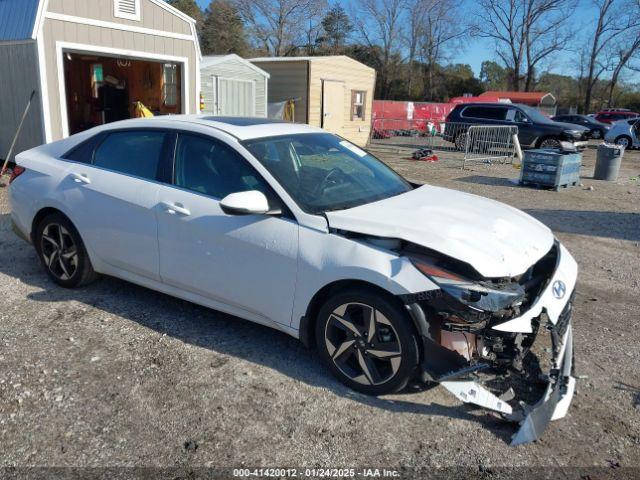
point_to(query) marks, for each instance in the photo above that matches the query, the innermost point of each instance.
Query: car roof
(242, 128)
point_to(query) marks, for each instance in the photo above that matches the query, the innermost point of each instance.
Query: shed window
(129, 9)
(358, 99)
(170, 84)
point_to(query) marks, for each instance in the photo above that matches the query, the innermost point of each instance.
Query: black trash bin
(608, 162)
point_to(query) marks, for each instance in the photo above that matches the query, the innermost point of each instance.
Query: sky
(477, 50)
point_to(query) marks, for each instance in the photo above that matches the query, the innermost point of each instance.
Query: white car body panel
(567, 272)
(268, 268)
(247, 261)
(497, 240)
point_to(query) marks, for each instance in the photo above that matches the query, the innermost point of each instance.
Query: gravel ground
(118, 375)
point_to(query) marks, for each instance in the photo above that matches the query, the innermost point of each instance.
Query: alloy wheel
(550, 143)
(595, 134)
(623, 142)
(363, 344)
(59, 251)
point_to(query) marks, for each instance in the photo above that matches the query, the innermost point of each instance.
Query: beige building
(90, 61)
(333, 92)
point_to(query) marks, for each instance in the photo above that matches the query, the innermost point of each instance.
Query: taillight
(16, 172)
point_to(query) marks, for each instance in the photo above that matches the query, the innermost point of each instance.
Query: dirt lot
(117, 375)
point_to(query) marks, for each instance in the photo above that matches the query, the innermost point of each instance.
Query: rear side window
(489, 113)
(131, 152)
(83, 153)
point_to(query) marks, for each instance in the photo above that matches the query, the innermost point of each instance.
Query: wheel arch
(624, 135)
(40, 215)
(306, 330)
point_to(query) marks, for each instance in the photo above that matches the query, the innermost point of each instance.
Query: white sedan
(293, 227)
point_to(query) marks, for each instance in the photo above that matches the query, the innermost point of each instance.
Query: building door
(233, 97)
(332, 106)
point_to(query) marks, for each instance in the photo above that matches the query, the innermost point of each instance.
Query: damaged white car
(293, 227)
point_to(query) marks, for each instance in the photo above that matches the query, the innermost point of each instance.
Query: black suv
(534, 129)
(596, 129)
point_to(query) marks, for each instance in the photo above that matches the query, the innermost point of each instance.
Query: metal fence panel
(490, 143)
(460, 142)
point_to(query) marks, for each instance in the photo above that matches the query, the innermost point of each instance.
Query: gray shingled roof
(17, 18)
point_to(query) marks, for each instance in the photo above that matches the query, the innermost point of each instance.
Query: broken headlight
(481, 296)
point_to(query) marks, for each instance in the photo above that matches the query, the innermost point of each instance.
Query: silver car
(625, 133)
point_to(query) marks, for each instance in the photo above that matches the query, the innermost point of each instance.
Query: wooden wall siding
(288, 80)
(152, 16)
(18, 78)
(356, 77)
(56, 30)
(83, 109)
(233, 68)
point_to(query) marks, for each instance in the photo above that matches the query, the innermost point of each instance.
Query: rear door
(113, 199)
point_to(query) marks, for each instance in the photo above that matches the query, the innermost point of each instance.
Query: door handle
(81, 178)
(173, 208)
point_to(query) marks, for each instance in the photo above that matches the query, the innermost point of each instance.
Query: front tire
(367, 341)
(62, 252)
(550, 142)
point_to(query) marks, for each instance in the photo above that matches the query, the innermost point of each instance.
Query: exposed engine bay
(501, 343)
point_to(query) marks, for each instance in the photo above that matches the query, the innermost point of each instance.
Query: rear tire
(367, 341)
(62, 252)
(624, 141)
(461, 140)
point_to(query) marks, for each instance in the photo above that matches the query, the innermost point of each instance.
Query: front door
(333, 106)
(113, 199)
(247, 262)
(526, 130)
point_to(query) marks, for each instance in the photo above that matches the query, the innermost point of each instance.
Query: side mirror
(251, 202)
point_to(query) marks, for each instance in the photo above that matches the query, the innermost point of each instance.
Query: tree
(441, 30)
(276, 24)
(337, 27)
(223, 30)
(614, 19)
(189, 7)
(626, 48)
(379, 25)
(525, 33)
(493, 76)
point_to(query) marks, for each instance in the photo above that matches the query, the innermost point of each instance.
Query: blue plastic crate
(550, 168)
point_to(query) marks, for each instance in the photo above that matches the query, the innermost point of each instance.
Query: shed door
(235, 97)
(333, 106)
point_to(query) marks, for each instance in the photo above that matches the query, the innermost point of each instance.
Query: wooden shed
(233, 86)
(89, 61)
(332, 92)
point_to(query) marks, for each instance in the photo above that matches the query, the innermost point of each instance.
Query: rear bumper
(18, 231)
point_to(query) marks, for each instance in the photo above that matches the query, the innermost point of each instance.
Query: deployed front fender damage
(475, 375)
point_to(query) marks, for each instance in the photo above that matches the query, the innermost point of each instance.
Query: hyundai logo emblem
(559, 289)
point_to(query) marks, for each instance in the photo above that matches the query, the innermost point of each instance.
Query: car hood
(495, 239)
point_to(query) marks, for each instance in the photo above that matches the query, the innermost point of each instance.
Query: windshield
(535, 115)
(322, 172)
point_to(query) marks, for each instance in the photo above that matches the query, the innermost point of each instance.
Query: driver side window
(208, 166)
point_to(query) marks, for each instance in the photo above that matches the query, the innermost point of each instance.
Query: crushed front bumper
(543, 391)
